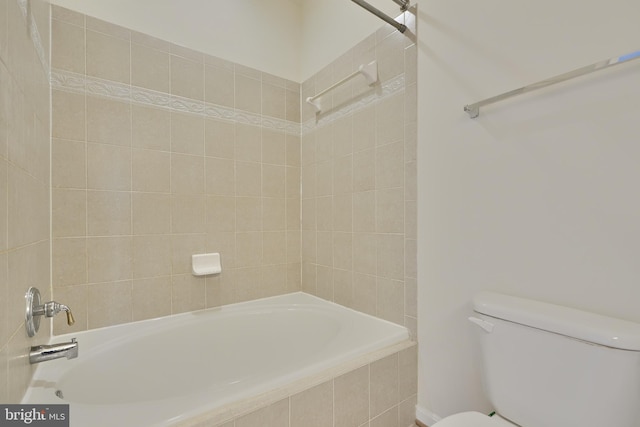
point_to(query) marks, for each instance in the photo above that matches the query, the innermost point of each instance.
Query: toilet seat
(473, 419)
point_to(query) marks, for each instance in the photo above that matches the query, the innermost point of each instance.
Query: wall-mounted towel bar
(474, 109)
(369, 71)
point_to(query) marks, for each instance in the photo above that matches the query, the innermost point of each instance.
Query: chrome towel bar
(474, 109)
(369, 71)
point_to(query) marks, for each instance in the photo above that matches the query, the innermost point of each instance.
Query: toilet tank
(546, 365)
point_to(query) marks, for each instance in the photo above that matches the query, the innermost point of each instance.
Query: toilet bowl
(473, 419)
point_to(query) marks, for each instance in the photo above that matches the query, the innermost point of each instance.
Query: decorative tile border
(35, 34)
(73, 82)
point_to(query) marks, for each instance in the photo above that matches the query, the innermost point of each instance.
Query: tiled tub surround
(290, 360)
(378, 390)
(158, 153)
(359, 181)
(24, 183)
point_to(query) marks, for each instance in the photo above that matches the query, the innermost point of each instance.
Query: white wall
(292, 39)
(538, 197)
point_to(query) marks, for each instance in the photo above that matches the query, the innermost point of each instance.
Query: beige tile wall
(24, 184)
(359, 182)
(139, 185)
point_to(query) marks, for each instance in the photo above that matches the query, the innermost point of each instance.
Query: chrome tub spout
(42, 353)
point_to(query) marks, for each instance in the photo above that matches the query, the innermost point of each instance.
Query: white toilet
(550, 366)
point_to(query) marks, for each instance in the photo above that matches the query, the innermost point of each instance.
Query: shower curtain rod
(404, 4)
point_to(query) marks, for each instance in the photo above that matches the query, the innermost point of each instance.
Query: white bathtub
(164, 371)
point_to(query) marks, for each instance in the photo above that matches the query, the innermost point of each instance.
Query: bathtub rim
(157, 322)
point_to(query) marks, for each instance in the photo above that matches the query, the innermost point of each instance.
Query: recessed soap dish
(205, 264)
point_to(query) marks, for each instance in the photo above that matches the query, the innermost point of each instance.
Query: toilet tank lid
(582, 325)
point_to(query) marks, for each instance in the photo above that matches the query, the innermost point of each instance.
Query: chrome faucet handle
(35, 310)
(52, 308)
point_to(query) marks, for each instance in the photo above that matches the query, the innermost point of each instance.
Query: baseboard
(425, 417)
